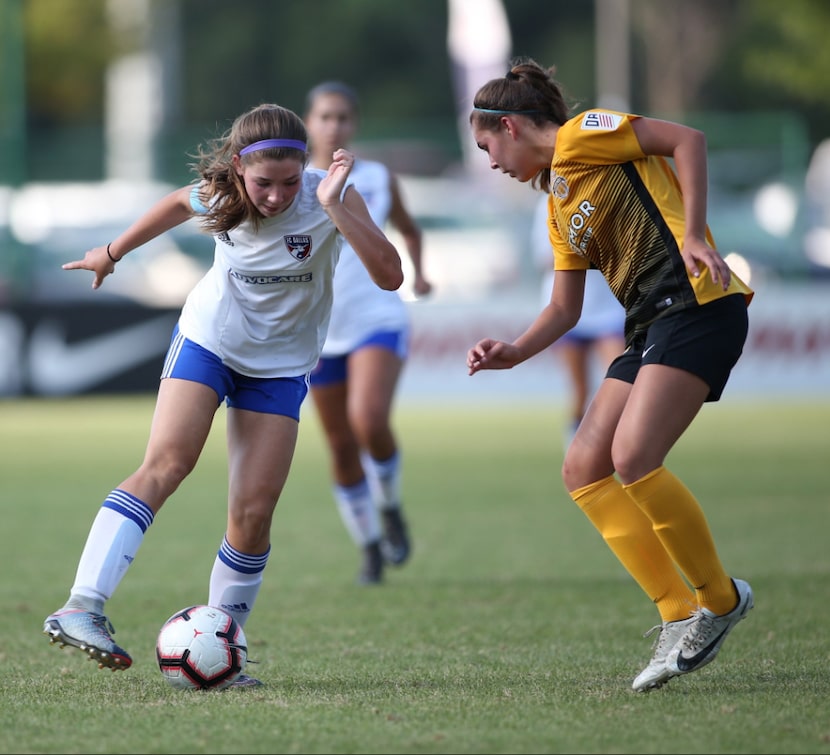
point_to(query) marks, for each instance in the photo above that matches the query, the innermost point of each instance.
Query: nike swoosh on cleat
(687, 664)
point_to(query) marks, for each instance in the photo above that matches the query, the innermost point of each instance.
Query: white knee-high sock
(358, 512)
(235, 581)
(113, 540)
(384, 478)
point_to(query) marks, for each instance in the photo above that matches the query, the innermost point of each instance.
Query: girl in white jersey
(354, 383)
(249, 333)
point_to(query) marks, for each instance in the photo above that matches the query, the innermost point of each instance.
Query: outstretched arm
(556, 319)
(167, 213)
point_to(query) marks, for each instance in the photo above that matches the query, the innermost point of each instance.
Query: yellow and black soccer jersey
(614, 208)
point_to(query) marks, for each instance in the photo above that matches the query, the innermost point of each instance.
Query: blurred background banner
(118, 347)
(103, 103)
(787, 353)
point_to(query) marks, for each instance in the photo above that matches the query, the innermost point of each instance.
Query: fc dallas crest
(298, 244)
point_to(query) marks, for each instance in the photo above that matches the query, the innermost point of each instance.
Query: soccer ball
(201, 647)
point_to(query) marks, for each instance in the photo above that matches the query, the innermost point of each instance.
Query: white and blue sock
(113, 541)
(358, 512)
(384, 478)
(235, 581)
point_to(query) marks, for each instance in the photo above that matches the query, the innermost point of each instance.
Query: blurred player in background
(615, 203)
(249, 333)
(596, 339)
(353, 386)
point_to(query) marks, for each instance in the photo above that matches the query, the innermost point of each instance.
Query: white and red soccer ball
(201, 647)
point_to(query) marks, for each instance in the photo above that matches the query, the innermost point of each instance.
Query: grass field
(511, 630)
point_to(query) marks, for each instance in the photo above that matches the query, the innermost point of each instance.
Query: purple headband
(273, 144)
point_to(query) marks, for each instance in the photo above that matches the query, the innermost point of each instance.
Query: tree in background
(716, 55)
(682, 47)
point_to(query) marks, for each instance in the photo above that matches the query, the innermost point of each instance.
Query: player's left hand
(696, 251)
(331, 187)
(421, 286)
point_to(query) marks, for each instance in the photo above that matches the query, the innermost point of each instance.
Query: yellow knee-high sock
(680, 524)
(629, 534)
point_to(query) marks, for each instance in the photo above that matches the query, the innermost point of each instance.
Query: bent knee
(252, 520)
(371, 429)
(165, 472)
(581, 466)
(633, 461)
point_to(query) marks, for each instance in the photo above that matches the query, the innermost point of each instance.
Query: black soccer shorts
(706, 341)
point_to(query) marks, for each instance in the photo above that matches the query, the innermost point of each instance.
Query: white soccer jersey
(264, 305)
(360, 306)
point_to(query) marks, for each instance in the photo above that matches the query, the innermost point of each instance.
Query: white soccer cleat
(703, 638)
(656, 674)
(90, 633)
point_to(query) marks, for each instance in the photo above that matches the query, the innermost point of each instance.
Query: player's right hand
(97, 260)
(488, 354)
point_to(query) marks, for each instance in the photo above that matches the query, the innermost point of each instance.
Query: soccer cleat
(371, 571)
(702, 639)
(656, 674)
(90, 633)
(395, 545)
(243, 681)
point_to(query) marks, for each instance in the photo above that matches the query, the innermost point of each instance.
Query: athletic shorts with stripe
(187, 360)
(706, 341)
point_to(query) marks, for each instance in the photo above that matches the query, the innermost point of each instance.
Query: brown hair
(529, 90)
(222, 190)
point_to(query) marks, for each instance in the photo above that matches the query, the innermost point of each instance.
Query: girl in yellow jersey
(615, 204)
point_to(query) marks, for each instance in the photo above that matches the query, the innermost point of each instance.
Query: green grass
(512, 630)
